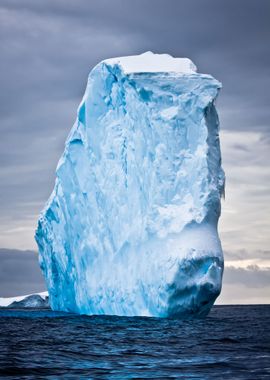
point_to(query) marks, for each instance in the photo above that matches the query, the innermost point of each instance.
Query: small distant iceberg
(39, 300)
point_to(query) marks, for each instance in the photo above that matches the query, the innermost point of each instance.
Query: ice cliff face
(131, 226)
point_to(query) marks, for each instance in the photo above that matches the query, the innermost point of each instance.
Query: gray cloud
(19, 273)
(47, 51)
(252, 276)
(243, 254)
(245, 285)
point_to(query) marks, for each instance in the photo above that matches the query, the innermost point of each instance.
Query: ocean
(233, 342)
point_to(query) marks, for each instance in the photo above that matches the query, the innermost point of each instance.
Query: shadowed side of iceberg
(196, 286)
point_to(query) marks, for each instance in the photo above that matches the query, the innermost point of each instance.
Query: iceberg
(131, 226)
(39, 300)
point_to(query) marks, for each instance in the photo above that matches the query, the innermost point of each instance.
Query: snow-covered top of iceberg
(149, 62)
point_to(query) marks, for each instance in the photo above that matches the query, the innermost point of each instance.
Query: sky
(47, 50)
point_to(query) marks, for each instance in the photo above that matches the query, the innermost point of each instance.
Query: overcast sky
(47, 50)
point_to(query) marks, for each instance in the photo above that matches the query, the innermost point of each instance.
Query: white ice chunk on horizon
(131, 226)
(7, 301)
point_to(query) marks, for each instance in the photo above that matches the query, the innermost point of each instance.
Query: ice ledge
(153, 63)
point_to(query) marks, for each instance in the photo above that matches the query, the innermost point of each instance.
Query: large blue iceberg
(131, 226)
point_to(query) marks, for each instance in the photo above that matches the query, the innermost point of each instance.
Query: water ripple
(232, 342)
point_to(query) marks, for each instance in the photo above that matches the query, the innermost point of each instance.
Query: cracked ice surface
(131, 225)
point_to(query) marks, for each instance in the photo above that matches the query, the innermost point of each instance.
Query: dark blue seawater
(233, 342)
